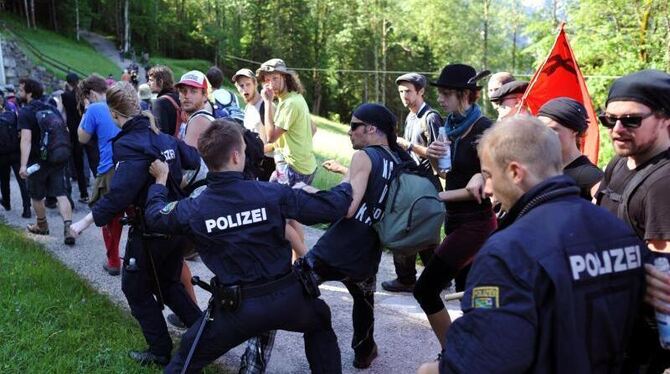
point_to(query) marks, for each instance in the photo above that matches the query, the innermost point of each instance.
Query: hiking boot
(111, 270)
(41, 227)
(365, 362)
(67, 233)
(146, 358)
(26, 212)
(175, 321)
(397, 286)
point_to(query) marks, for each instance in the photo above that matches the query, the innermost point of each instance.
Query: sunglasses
(356, 124)
(629, 121)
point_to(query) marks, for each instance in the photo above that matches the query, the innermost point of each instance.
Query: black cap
(72, 78)
(416, 79)
(567, 112)
(648, 87)
(459, 76)
(514, 87)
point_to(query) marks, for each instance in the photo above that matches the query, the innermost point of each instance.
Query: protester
(254, 116)
(635, 188)
(255, 307)
(224, 103)
(152, 262)
(10, 158)
(97, 123)
(568, 118)
(71, 106)
(290, 128)
(559, 297)
(350, 250)
(49, 179)
(495, 82)
(421, 129)
(144, 93)
(468, 221)
(166, 108)
(508, 99)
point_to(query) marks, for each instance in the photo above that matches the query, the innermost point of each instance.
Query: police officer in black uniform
(238, 226)
(152, 262)
(556, 289)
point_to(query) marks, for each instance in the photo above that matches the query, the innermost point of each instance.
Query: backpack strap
(617, 164)
(428, 130)
(634, 184)
(177, 109)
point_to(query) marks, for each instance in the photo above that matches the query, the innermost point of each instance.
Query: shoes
(67, 233)
(7, 205)
(111, 270)
(84, 200)
(26, 212)
(396, 286)
(146, 358)
(41, 227)
(365, 362)
(175, 321)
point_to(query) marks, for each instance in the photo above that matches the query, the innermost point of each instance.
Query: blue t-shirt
(98, 122)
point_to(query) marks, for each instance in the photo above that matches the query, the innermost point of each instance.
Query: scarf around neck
(458, 124)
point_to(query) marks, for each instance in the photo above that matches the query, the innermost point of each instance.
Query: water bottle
(444, 162)
(662, 319)
(33, 168)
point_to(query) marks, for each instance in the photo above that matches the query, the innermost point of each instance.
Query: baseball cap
(507, 89)
(193, 78)
(244, 73)
(416, 79)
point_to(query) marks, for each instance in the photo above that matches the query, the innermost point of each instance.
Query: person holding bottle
(469, 221)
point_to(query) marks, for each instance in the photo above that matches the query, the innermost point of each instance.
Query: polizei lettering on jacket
(608, 261)
(238, 219)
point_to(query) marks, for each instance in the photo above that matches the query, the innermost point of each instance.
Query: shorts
(101, 186)
(48, 181)
(285, 174)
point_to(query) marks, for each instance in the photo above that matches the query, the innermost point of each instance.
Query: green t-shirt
(295, 144)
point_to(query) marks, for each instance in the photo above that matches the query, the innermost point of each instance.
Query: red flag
(560, 76)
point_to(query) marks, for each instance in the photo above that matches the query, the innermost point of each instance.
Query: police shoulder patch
(486, 297)
(169, 207)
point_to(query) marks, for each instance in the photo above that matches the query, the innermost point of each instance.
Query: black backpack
(253, 154)
(9, 133)
(55, 146)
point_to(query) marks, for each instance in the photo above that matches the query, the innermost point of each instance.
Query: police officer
(152, 263)
(238, 229)
(557, 287)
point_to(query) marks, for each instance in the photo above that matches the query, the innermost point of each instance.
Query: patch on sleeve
(485, 297)
(169, 207)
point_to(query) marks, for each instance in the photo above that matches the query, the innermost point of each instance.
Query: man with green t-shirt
(289, 127)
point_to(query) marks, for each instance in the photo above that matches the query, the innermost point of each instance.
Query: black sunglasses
(629, 121)
(356, 124)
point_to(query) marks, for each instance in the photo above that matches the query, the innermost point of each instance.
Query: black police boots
(364, 362)
(146, 358)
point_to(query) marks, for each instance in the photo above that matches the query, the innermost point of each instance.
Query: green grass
(53, 322)
(78, 55)
(330, 142)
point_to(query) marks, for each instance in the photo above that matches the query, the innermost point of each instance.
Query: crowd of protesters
(553, 254)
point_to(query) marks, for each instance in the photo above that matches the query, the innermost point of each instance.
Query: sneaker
(146, 358)
(84, 200)
(67, 233)
(396, 286)
(26, 212)
(175, 321)
(111, 270)
(365, 362)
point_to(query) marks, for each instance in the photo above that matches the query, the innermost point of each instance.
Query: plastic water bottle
(33, 168)
(444, 162)
(662, 319)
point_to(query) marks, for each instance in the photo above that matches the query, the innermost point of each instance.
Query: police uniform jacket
(134, 149)
(238, 225)
(554, 290)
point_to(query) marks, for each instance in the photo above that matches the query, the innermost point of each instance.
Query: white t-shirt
(253, 122)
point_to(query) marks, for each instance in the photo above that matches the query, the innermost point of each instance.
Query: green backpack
(413, 214)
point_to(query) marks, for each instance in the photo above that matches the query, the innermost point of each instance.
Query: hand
(437, 149)
(475, 187)
(266, 93)
(334, 166)
(159, 170)
(23, 172)
(658, 289)
(404, 144)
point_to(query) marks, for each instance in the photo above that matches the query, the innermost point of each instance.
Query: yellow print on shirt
(485, 297)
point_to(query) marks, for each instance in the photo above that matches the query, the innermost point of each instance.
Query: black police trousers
(287, 308)
(8, 163)
(144, 289)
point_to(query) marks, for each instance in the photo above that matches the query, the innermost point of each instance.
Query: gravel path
(107, 48)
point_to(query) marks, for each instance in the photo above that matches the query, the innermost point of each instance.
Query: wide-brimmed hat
(459, 76)
(275, 65)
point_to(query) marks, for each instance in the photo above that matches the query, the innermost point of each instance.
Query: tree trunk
(644, 28)
(32, 13)
(54, 15)
(76, 17)
(485, 52)
(126, 27)
(25, 5)
(384, 34)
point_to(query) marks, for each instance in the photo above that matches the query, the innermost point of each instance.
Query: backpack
(413, 213)
(225, 105)
(55, 147)
(253, 154)
(9, 133)
(179, 115)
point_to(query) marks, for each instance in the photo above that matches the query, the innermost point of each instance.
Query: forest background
(351, 51)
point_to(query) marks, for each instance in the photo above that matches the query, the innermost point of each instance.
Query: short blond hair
(526, 140)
